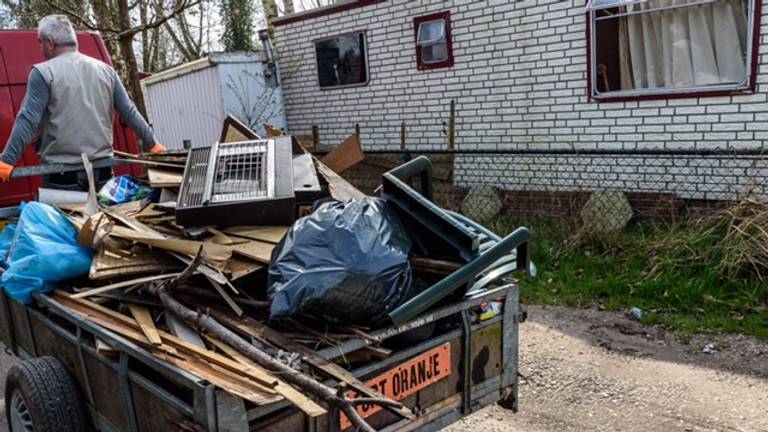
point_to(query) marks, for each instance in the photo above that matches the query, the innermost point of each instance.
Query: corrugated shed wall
(187, 107)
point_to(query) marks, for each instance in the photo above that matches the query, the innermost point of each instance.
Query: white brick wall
(519, 82)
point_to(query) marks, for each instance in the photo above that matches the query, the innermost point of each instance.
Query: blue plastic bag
(345, 263)
(123, 189)
(6, 238)
(44, 252)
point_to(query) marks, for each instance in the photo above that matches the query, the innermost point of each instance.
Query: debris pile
(195, 287)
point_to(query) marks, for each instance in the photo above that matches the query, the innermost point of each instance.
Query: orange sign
(407, 379)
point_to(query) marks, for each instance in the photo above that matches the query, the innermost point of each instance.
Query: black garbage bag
(345, 263)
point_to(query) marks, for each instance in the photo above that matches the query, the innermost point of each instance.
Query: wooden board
(159, 178)
(123, 324)
(144, 319)
(123, 284)
(233, 130)
(108, 265)
(345, 156)
(255, 250)
(307, 405)
(271, 234)
(267, 334)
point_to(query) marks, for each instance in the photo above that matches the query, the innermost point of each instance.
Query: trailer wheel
(41, 396)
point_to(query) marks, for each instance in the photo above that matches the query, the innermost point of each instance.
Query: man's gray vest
(80, 109)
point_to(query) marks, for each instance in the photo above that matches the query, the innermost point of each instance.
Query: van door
(22, 189)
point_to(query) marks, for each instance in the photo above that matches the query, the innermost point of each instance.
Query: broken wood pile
(196, 298)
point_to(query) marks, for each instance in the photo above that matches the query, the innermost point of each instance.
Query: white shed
(190, 101)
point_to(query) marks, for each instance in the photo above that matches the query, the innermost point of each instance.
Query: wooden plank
(105, 350)
(144, 319)
(255, 250)
(226, 297)
(164, 178)
(226, 380)
(111, 319)
(233, 130)
(344, 156)
(264, 332)
(301, 401)
(123, 284)
(238, 268)
(213, 252)
(271, 234)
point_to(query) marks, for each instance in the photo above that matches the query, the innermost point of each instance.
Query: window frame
(746, 87)
(365, 56)
(448, 62)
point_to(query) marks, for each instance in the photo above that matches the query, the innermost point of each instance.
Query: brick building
(648, 96)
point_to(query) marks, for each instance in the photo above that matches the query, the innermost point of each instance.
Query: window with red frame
(434, 47)
(643, 48)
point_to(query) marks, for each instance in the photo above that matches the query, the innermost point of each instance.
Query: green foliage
(704, 276)
(238, 25)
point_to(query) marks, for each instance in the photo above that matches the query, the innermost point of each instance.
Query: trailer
(449, 353)
(136, 391)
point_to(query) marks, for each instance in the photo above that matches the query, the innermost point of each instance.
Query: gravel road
(587, 370)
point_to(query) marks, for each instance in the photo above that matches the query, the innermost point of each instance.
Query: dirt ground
(588, 370)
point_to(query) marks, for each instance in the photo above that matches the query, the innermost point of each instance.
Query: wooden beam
(144, 319)
(300, 400)
(123, 284)
(264, 332)
(108, 316)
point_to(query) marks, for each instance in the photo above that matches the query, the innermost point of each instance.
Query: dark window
(433, 41)
(341, 60)
(663, 47)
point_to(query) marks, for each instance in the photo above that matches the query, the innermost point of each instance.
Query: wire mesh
(613, 186)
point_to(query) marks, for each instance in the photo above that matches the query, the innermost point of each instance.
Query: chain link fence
(601, 189)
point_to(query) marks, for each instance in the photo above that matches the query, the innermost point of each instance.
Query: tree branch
(206, 323)
(157, 22)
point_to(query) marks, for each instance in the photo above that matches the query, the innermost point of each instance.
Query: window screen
(341, 60)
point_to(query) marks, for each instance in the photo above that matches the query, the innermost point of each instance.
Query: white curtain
(686, 46)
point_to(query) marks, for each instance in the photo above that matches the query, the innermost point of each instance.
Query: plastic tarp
(42, 253)
(345, 263)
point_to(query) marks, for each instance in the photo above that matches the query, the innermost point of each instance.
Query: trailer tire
(41, 396)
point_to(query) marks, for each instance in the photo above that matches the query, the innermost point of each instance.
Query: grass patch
(700, 277)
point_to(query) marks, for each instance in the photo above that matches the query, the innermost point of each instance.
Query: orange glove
(158, 148)
(5, 172)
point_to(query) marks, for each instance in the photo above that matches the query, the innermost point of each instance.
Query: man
(71, 100)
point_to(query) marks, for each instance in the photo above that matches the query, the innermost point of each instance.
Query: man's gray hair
(59, 29)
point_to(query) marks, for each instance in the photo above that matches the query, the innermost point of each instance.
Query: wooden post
(452, 125)
(315, 136)
(402, 135)
(357, 132)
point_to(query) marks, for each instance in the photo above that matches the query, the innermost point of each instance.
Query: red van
(19, 50)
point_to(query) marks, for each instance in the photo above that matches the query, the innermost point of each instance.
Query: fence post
(315, 136)
(357, 133)
(402, 135)
(452, 125)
